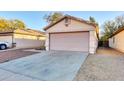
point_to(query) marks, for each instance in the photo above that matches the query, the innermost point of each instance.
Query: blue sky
(34, 19)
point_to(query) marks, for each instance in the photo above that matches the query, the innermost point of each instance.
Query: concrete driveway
(52, 65)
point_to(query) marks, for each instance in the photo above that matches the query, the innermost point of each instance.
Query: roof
(26, 32)
(31, 32)
(118, 31)
(71, 17)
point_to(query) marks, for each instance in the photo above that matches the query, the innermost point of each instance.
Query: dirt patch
(106, 64)
(14, 54)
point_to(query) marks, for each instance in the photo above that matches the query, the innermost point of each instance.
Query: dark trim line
(6, 32)
(67, 32)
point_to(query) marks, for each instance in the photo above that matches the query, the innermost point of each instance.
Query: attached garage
(72, 34)
(70, 41)
(27, 38)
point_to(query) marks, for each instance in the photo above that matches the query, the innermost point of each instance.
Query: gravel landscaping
(106, 64)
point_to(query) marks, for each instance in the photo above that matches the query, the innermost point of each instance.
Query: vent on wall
(67, 21)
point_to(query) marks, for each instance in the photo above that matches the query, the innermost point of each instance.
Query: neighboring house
(28, 38)
(116, 40)
(72, 34)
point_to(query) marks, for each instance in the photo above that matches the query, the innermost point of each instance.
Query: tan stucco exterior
(27, 34)
(76, 27)
(28, 43)
(6, 38)
(24, 38)
(93, 42)
(117, 41)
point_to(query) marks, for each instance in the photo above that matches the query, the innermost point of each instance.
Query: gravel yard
(6, 56)
(106, 64)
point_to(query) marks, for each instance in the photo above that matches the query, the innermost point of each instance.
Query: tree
(92, 20)
(109, 27)
(11, 25)
(3, 24)
(16, 24)
(53, 17)
(119, 21)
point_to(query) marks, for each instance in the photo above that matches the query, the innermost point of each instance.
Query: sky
(34, 19)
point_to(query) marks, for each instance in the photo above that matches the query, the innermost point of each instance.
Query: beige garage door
(76, 41)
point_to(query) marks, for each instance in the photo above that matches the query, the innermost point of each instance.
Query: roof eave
(71, 17)
(116, 32)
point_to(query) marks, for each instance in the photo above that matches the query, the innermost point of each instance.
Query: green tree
(53, 17)
(109, 27)
(92, 19)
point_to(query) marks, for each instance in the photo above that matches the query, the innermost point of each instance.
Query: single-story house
(116, 40)
(72, 34)
(27, 38)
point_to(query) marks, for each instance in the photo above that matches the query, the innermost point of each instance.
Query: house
(116, 40)
(72, 34)
(28, 38)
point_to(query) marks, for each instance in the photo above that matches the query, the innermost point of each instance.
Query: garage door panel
(70, 41)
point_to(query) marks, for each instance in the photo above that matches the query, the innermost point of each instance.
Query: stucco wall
(118, 42)
(73, 26)
(93, 42)
(23, 43)
(27, 43)
(47, 42)
(22, 36)
(6, 39)
(111, 42)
